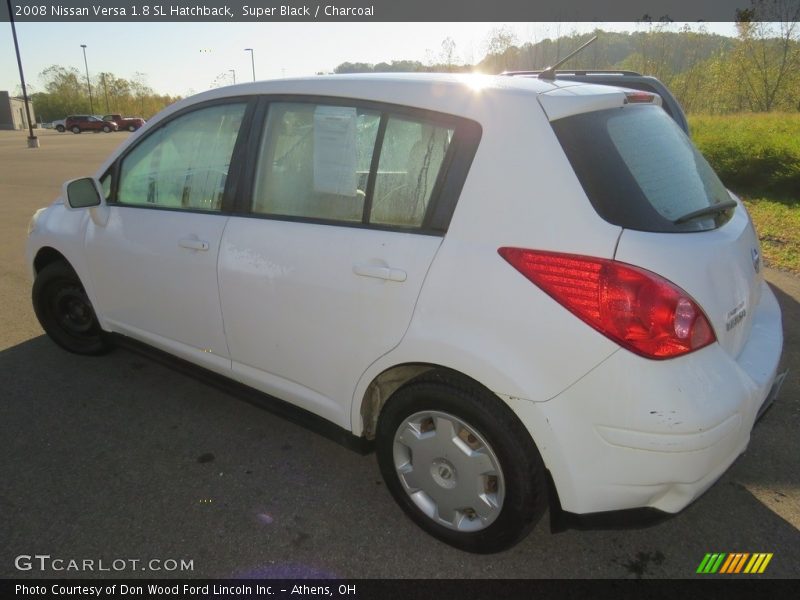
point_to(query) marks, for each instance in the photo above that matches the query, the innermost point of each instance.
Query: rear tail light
(637, 309)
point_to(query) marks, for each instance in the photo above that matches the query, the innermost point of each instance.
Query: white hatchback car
(528, 293)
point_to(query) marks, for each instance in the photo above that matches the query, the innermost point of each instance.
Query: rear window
(640, 170)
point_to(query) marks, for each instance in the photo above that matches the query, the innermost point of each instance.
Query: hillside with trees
(757, 71)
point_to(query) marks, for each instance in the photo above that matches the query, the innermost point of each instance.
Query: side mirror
(87, 193)
(82, 193)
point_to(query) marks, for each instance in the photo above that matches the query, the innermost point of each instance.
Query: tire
(65, 311)
(106, 129)
(60, 128)
(437, 480)
(131, 127)
(75, 129)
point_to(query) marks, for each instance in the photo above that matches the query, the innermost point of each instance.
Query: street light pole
(105, 90)
(234, 75)
(252, 61)
(33, 141)
(89, 85)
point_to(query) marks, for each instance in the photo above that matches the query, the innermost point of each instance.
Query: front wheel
(76, 129)
(65, 312)
(460, 463)
(106, 129)
(60, 128)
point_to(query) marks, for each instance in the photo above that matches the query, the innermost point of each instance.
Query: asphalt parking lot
(119, 457)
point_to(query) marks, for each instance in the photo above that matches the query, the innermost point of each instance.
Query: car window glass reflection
(183, 164)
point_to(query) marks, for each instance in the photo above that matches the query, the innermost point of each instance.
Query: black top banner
(378, 10)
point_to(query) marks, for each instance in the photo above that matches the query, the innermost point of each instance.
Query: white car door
(154, 263)
(322, 277)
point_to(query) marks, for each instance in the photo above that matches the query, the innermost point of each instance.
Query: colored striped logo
(737, 562)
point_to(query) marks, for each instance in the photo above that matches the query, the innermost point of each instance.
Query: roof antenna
(550, 72)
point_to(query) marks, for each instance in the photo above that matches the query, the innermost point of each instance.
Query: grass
(758, 157)
(752, 153)
(778, 225)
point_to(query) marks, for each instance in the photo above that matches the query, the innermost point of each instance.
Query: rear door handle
(193, 244)
(380, 272)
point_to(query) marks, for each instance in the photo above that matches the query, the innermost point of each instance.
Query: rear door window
(640, 170)
(350, 164)
(315, 161)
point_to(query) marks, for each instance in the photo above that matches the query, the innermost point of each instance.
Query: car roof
(363, 82)
(469, 95)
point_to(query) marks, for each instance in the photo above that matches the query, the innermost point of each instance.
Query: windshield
(640, 170)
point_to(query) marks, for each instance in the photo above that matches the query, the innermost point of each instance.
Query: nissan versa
(528, 292)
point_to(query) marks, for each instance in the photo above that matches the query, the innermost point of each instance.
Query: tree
(448, 55)
(65, 93)
(769, 50)
(500, 39)
(501, 50)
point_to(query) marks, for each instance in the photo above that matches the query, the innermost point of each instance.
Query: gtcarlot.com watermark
(48, 563)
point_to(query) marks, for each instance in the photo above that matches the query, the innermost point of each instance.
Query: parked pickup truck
(129, 123)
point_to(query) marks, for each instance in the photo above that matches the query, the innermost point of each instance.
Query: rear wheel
(75, 129)
(460, 463)
(65, 312)
(60, 128)
(106, 129)
(131, 127)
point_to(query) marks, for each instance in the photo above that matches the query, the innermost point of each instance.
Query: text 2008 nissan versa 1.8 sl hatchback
(526, 292)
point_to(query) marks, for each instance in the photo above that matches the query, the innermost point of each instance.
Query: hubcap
(72, 310)
(444, 473)
(449, 470)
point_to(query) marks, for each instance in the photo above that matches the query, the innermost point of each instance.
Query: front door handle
(193, 244)
(380, 272)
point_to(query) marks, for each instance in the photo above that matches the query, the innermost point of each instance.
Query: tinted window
(183, 164)
(640, 170)
(316, 162)
(411, 157)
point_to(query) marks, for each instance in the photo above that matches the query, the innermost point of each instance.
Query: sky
(169, 54)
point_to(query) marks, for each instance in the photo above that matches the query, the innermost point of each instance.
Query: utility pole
(33, 141)
(252, 61)
(89, 85)
(105, 90)
(234, 75)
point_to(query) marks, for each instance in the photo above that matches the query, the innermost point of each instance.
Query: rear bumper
(777, 384)
(635, 433)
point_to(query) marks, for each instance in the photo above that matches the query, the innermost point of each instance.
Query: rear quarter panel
(478, 315)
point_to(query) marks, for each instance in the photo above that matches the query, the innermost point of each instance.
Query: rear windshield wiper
(714, 209)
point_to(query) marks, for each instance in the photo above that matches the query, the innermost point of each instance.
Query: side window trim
(238, 155)
(458, 163)
(373, 168)
(449, 183)
(250, 148)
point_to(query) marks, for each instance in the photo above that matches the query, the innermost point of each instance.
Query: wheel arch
(381, 387)
(47, 255)
(389, 380)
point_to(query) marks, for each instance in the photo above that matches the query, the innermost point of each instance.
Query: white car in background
(525, 291)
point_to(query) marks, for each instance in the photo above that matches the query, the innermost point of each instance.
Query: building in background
(12, 112)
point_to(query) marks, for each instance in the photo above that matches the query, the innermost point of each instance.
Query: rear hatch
(641, 172)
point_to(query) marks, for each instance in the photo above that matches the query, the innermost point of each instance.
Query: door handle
(193, 244)
(380, 272)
